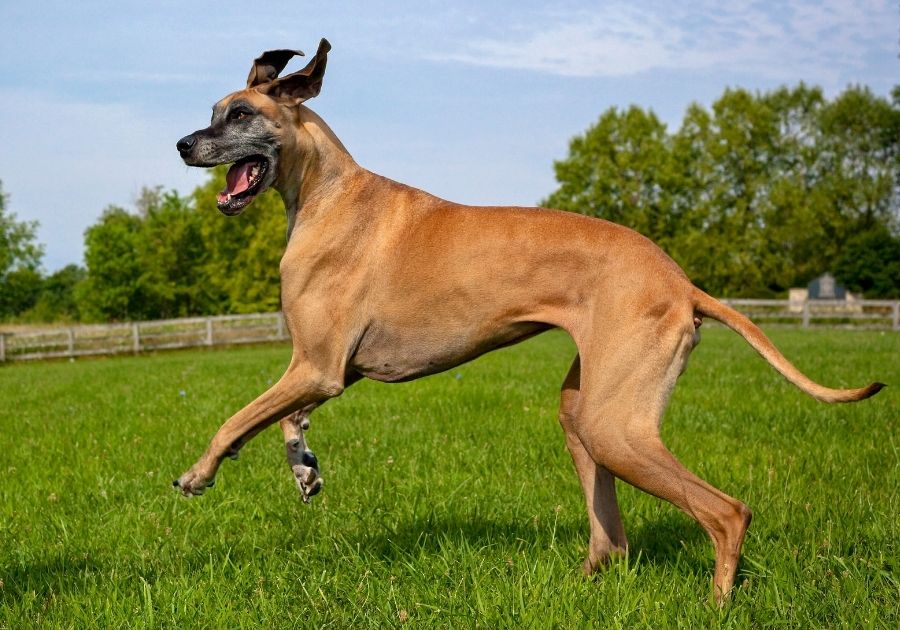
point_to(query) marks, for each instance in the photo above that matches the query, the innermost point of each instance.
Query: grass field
(449, 501)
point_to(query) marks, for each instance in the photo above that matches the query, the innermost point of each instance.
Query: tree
(618, 171)
(759, 194)
(860, 164)
(147, 265)
(870, 264)
(56, 300)
(19, 291)
(179, 256)
(112, 288)
(243, 253)
(20, 258)
(171, 253)
(744, 191)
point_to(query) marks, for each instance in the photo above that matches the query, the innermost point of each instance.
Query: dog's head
(251, 127)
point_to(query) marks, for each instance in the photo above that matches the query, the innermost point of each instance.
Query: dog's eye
(239, 114)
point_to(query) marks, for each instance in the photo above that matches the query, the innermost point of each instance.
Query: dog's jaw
(245, 180)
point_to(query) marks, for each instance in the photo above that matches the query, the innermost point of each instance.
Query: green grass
(449, 501)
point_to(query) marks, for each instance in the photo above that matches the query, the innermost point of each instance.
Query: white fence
(868, 314)
(135, 337)
(224, 330)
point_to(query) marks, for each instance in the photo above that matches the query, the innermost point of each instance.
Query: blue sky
(470, 100)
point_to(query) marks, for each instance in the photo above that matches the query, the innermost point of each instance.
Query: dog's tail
(710, 307)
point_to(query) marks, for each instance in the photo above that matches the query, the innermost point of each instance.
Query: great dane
(384, 281)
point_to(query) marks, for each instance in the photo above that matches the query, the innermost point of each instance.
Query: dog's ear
(269, 65)
(301, 85)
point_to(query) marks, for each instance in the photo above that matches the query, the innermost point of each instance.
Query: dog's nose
(186, 144)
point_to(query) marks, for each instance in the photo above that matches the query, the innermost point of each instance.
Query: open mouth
(242, 183)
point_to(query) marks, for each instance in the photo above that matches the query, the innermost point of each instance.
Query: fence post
(209, 331)
(280, 333)
(70, 334)
(895, 325)
(2, 347)
(136, 337)
(806, 314)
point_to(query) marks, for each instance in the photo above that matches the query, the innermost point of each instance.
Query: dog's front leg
(300, 387)
(302, 461)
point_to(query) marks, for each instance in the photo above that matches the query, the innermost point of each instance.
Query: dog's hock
(303, 462)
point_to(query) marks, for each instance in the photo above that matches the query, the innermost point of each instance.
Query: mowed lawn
(448, 502)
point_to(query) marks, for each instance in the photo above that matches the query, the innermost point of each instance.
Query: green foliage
(171, 252)
(19, 290)
(619, 170)
(870, 264)
(20, 258)
(179, 256)
(451, 498)
(56, 299)
(241, 268)
(759, 194)
(112, 289)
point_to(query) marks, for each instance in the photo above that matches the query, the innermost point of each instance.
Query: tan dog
(384, 281)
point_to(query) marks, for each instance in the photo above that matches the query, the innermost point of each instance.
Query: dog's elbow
(313, 385)
(331, 388)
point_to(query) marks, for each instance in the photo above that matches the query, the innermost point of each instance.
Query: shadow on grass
(440, 534)
(75, 575)
(56, 575)
(667, 540)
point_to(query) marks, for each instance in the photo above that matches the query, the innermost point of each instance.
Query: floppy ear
(303, 84)
(268, 65)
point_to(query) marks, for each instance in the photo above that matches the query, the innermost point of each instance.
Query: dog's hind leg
(302, 461)
(624, 392)
(607, 531)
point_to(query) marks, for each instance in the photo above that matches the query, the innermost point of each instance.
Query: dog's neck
(316, 175)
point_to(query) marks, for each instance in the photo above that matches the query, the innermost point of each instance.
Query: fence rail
(226, 330)
(869, 314)
(136, 337)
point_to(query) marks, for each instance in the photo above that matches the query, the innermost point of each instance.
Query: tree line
(759, 193)
(169, 256)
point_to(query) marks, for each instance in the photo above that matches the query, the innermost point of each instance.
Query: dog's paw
(193, 484)
(307, 476)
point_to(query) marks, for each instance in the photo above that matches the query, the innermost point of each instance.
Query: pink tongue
(238, 178)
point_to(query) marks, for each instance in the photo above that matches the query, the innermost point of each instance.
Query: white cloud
(822, 41)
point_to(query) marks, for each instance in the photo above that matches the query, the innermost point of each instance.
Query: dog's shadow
(661, 541)
(51, 575)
